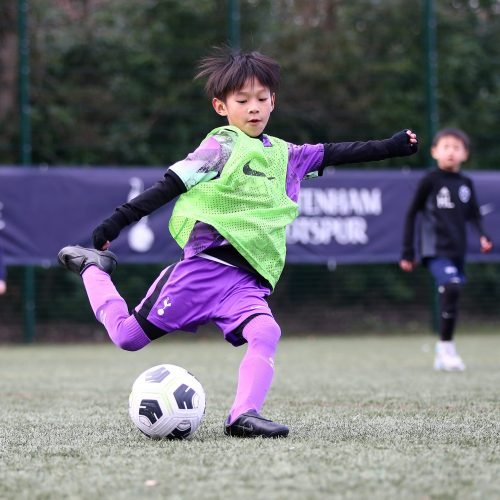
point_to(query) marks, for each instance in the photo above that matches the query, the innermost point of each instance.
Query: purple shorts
(196, 291)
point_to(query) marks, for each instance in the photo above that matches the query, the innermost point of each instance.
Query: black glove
(108, 230)
(400, 145)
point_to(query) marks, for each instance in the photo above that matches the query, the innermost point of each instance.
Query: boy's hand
(413, 138)
(109, 230)
(104, 233)
(486, 244)
(404, 143)
(407, 265)
(99, 239)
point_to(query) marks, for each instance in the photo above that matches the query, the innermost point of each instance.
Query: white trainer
(447, 358)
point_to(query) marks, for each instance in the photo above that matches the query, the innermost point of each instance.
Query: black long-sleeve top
(335, 153)
(447, 201)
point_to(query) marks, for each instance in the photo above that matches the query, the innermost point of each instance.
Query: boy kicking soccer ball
(447, 200)
(237, 193)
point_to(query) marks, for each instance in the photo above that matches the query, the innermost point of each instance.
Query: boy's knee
(271, 331)
(450, 290)
(263, 330)
(125, 332)
(127, 344)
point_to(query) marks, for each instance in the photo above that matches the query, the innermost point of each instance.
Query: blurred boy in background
(447, 201)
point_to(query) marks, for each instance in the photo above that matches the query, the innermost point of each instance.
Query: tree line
(111, 81)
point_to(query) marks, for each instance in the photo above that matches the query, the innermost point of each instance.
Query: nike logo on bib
(247, 170)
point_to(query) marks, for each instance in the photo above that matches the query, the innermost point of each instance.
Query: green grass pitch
(369, 418)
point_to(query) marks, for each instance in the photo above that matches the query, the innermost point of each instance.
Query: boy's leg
(449, 295)
(243, 315)
(257, 366)
(255, 377)
(111, 310)
(449, 278)
(95, 267)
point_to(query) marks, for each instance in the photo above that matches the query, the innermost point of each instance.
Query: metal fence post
(233, 23)
(25, 153)
(432, 111)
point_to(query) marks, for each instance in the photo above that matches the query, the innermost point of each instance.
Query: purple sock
(257, 366)
(111, 310)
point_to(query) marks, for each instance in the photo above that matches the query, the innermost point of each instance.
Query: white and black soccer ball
(167, 402)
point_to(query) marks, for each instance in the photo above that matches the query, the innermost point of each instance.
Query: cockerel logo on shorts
(166, 303)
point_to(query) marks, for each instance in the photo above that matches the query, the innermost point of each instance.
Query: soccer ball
(167, 402)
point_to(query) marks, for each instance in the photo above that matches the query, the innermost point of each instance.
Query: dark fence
(341, 277)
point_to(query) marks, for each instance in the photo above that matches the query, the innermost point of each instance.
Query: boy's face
(249, 108)
(450, 152)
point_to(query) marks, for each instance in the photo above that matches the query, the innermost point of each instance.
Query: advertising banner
(346, 216)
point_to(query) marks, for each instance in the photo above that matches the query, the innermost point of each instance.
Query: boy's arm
(147, 202)
(204, 164)
(403, 143)
(476, 219)
(417, 205)
(475, 216)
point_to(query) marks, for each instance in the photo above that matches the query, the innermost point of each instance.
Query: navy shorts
(446, 270)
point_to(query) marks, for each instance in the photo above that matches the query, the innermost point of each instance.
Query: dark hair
(454, 132)
(227, 70)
